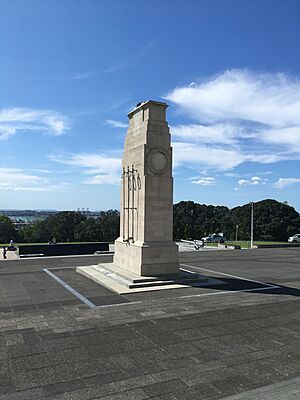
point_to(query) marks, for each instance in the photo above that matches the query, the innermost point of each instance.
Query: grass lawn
(243, 243)
(247, 244)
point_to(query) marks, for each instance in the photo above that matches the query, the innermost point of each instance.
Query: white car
(294, 239)
(215, 238)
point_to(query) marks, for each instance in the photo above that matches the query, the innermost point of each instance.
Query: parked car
(215, 238)
(294, 239)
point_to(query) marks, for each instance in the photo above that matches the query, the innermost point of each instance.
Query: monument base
(123, 281)
(147, 258)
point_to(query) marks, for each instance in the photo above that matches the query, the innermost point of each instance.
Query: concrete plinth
(122, 281)
(147, 258)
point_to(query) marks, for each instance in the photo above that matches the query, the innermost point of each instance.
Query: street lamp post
(236, 232)
(252, 209)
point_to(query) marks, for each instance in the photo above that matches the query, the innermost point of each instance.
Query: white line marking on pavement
(188, 296)
(231, 276)
(267, 286)
(70, 289)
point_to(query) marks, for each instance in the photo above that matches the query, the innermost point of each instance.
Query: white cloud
(15, 176)
(190, 154)
(103, 180)
(105, 169)
(93, 163)
(206, 157)
(252, 116)
(284, 182)
(52, 188)
(16, 120)
(218, 133)
(116, 124)
(231, 174)
(271, 99)
(19, 180)
(205, 181)
(255, 180)
(43, 171)
(285, 136)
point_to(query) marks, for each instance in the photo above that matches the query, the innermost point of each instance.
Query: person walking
(4, 253)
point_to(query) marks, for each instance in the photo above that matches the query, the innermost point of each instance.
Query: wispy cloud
(253, 181)
(244, 115)
(271, 99)
(15, 176)
(17, 120)
(102, 168)
(42, 171)
(108, 179)
(231, 174)
(20, 180)
(205, 181)
(284, 182)
(205, 157)
(51, 188)
(119, 65)
(206, 134)
(116, 124)
(89, 74)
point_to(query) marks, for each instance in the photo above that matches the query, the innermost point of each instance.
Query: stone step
(95, 273)
(132, 281)
(136, 279)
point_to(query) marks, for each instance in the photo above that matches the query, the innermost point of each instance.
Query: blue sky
(71, 70)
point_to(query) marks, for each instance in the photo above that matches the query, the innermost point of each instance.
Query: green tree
(109, 222)
(88, 231)
(7, 230)
(36, 233)
(105, 228)
(193, 220)
(273, 221)
(62, 225)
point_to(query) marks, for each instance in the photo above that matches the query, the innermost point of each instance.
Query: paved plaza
(62, 336)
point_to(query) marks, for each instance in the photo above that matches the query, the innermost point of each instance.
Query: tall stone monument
(145, 246)
(146, 257)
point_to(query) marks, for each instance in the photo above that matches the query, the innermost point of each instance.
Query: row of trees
(272, 221)
(66, 226)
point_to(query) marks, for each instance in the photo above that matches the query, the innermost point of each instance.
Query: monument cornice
(143, 104)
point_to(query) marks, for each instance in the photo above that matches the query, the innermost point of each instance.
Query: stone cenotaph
(145, 246)
(145, 253)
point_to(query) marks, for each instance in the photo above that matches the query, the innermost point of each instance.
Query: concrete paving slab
(286, 390)
(220, 346)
